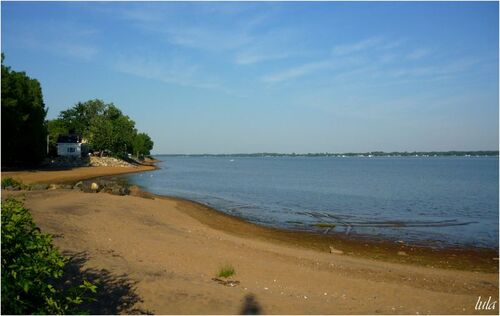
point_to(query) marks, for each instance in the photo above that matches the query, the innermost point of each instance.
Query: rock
(94, 186)
(12, 188)
(39, 186)
(402, 253)
(335, 251)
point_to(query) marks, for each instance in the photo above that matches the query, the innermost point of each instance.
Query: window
(71, 150)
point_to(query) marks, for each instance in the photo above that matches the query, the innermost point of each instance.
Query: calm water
(435, 201)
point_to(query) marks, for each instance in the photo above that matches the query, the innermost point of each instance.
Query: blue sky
(271, 76)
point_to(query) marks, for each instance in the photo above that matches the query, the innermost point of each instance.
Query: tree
(103, 125)
(55, 128)
(79, 118)
(112, 131)
(142, 144)
(24, 129)
(101, 134)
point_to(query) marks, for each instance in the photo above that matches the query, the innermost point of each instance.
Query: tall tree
(142, 144)
(79, 118)
(24, 131)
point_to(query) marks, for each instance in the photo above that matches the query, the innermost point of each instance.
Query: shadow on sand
(250, 306)
(115, 293)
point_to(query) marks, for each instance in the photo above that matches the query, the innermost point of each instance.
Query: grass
(226, 271)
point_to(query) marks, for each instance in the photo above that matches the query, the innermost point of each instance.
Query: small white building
(69, 145)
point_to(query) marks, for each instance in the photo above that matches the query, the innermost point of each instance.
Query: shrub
(226, 271)
(10, 182)
(31, 267)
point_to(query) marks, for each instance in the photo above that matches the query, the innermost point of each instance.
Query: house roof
(71, 138)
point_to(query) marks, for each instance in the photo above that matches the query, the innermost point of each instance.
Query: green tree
(24, 130)
(142, 144)
(101, 134)
(79, 118)
(55, 127)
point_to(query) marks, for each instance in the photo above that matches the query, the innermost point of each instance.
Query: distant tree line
(25, 128)
(365, 154)
(103, 126)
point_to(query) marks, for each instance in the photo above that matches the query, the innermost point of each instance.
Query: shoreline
(461, 258)
(164, 252)
(458, 258)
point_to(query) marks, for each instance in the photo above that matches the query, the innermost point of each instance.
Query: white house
(69, 145)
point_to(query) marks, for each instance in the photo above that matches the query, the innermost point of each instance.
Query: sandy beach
(160, 255)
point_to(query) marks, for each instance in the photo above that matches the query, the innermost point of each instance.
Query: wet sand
(160, 254)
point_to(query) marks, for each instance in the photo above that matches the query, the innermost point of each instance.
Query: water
(436, 201)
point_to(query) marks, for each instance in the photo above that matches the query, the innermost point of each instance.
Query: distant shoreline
(487, 153)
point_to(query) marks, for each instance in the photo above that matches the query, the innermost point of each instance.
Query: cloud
(298, 71)
(246, 58)
(356, 47)
(176, 72)
(80, 51)
(418, 53)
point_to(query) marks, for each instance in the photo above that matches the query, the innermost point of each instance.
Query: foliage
(31, 267)
(142, 144)
(103, 125)
(24, 130)
(13, 183)
(226, 271)
(56, 128)
(78, 119)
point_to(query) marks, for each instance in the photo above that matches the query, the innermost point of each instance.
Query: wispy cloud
(176, 72)
(247, 58)
(298, 71)
(356, 47)
(418, 53)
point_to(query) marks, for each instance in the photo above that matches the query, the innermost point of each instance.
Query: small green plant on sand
(226, 271)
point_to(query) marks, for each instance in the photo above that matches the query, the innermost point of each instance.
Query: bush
(14, 184)
(31, 267)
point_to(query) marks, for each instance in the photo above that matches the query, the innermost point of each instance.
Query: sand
(159, 256)
(70, 175)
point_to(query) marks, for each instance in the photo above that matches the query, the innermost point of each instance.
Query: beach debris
(230, 283)
(94, 186)
(78, 185)
(335, 251)
(402, 253)
(39, 186)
